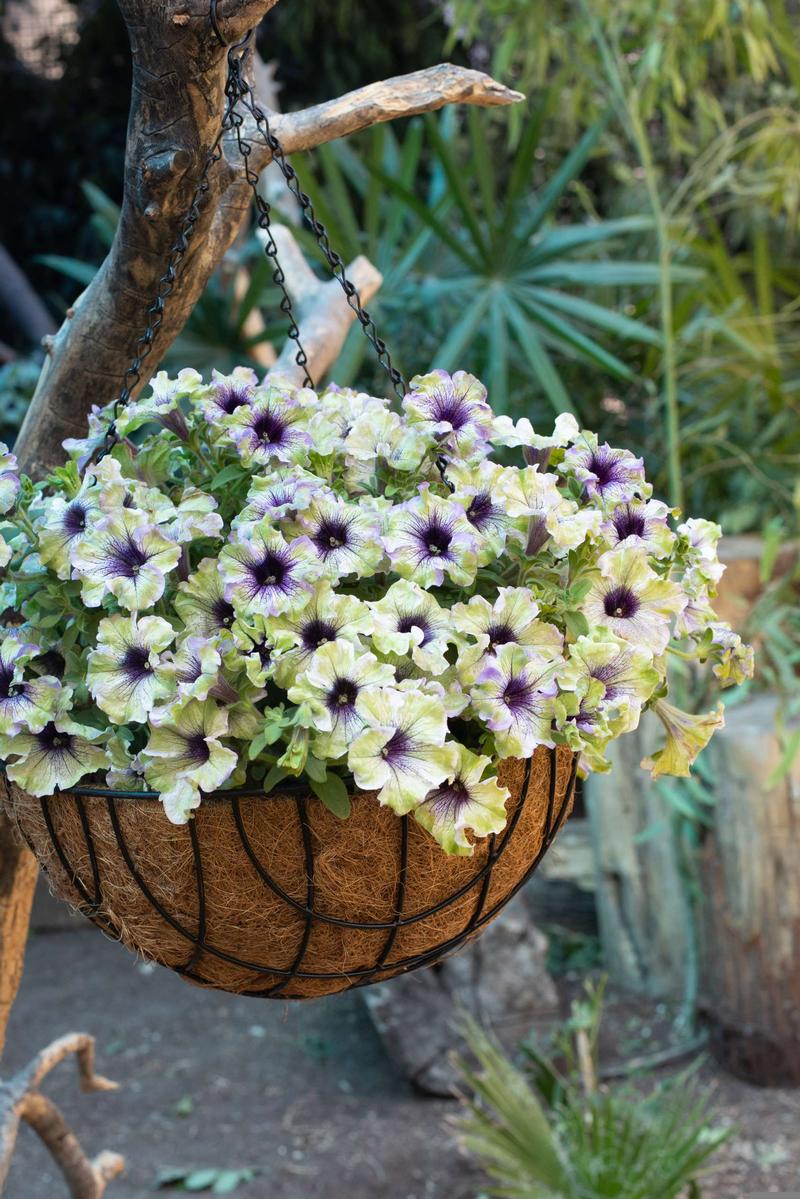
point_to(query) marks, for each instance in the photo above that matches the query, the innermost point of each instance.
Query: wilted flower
(254, 644)
(632, 601)
(401, 753)
(125, 672)
(464, 801)
(195, 516)
(430, 537)
(125, 556)
(701, 538)
(328, 692)
(263, 573)
(514, 695)
(733, 659)
(686, 736)
(185, 755)
(409, 621)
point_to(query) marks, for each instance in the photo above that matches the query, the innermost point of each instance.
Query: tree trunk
(750, 991)
(18, 872)
(643, 912)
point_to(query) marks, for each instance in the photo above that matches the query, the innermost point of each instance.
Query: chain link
(238, 89)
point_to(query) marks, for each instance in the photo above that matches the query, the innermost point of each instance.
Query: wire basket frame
(306, 913)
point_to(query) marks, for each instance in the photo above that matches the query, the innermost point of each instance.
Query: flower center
(332, 534)
(517, 693)
(449, 798)
(500, 634)
(437, 539)
(136, 661)
(620, 602)
(52, 741)
(481, 511)
(317, 632)
(6, 680)
(269, 428)
(629, 523)
(270, 571)
(414, 621)
(230, 398)
(604, 468)
(223, 613)
(125, 558)
(74, 519)
(197, 748)
(397, 745)
(343, 694)
(451, 407)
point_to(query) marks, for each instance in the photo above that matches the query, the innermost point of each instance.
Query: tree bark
(18, 873)
(176, 110)
(750, 992)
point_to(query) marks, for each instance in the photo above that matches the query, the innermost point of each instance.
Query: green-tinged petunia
(225, 393)
(6, 552)
(429, 538)
(687, 735)
(126, 671)
(328, 617)
(453, 408)
(185, 755)
(115, 491)
(346, 539)
(270, 428)
(54, 758)
(465, 802)
(631, 600)
(200, 601)
(607, 474)
(401, 753)
(253, 644)
(27, 701)
(9, 479)
(733, 659)
(640, 525)
(381, 438)
(62, 522)
(193, 669)
(626, 675)
(544, 516)
(281, 492)
(409, 621)
(125, 769)
(514, 696)
(699, 540)
(538, 447)
(162, 404)
(262, 572)
(328, 691)
(513, 619)
(476, 490)
(125, 556)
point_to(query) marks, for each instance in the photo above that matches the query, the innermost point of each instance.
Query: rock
(501, 979)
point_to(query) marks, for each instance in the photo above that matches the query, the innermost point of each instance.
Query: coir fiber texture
(274, 895)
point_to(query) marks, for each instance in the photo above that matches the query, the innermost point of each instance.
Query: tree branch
(21, 1100)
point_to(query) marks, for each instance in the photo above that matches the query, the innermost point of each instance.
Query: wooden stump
(643, 914)
(751, 903)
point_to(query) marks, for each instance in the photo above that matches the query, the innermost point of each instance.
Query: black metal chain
(238, 89)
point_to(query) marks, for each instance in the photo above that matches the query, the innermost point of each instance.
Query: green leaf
(227, 475)
(73, 268)
(531, 345)
(201, 1180)
(276, 775)
(577, 624)
(333, 793)
(449, 352)
(315, 769)
(572, 166)
(229, 1180)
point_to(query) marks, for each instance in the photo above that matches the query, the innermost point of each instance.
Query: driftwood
(22, 1101)
(750, 987)
(21, 302)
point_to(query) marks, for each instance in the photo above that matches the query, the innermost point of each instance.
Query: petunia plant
(257, 581)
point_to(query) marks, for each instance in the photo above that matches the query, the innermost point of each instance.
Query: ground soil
(304, 1092)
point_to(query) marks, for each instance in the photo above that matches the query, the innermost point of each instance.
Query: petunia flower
(185, 755)
(263, 573)
(6, 552)
(125, 672)
(513, 619)
(281, 492)
(401, 753)
(625, 673)
(126, 556)
(381, 438)
(83, 449)
(254, 644)
(328, 617)
(200, 601)
(546, 515)
(700, 539)
(9, 479)
(611, 475)
(734, 661)
(464, 801)
(125, 770)
(430, 537)
(62, 521)
(226, 393)
(537, 448)
(409, 621)
(476, 490)
(632, 601)
(115, 490)
(195, 516)
(53, 758)
(346, 540)
(328, 692)
(637, 525)
(269, 429)
(453, 408)
(687, 735)
(336, 411)
(162, 404)
(514, 696)
(25, 703)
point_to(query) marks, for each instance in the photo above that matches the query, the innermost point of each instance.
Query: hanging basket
(274, 896)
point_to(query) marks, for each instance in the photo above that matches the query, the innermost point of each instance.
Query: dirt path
(304, 1092)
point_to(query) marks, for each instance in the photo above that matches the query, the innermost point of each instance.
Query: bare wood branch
(21, 1100)
(21, 302)
(402, 96)
(324, 316)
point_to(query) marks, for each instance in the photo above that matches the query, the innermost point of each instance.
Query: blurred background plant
(552, 1127)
